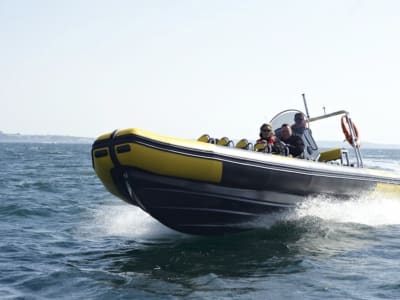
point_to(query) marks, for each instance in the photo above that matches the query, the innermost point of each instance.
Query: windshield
(284, 117)
(287, 117)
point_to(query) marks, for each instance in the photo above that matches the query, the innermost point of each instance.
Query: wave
(130, 221)
(374, 210)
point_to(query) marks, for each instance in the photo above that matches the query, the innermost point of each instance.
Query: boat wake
(129, 221)
(376, 210)
(373, 210)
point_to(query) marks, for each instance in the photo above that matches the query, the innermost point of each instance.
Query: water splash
(128, 221)
(373, 210)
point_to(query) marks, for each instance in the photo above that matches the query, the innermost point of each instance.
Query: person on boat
(299, 124)
(268, 142)
(294, 143)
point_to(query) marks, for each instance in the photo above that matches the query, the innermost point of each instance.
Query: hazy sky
(184, 68)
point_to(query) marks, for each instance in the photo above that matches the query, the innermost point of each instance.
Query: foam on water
(373, 210)
(130, 221)
(127, 220)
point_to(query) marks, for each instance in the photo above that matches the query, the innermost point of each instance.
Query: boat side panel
(171, 164)
(292, 181)
(179, 152)
(200, 208)
(133, 134)
(388, 189)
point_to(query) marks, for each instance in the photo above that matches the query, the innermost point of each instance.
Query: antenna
(305, 104)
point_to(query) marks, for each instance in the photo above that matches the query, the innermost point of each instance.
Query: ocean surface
(63, 236)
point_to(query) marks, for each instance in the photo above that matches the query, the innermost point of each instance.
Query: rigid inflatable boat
(211, 186)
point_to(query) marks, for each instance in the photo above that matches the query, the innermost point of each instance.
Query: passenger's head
(266, 131)
(286, 131)
(299, 119)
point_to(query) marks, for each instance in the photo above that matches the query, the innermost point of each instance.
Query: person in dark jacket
(293, 142)
(299, 124)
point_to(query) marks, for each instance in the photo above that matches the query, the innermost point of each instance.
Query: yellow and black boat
(213, 187)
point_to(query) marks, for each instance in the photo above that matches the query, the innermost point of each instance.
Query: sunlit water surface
(63, 236)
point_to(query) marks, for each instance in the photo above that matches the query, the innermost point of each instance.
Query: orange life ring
(347, 134)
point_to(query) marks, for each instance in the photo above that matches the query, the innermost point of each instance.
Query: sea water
(63, 236)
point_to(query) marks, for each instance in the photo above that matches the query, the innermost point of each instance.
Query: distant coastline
(364, 145)
(60, 139)
(66, 139)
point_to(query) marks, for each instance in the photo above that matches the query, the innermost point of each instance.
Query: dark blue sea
(63, 236)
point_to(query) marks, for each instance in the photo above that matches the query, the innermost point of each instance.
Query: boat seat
(261, 147)
(205, 138)
(334, 154)
(224, 141)
(329, 155)
(244, 144)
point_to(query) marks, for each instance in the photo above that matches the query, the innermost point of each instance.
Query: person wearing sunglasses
(267, 142)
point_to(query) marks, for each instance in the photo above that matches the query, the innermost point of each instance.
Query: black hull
(205, 189)
(210, 209)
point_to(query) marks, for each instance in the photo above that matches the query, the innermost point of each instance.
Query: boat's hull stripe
(286, 165)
